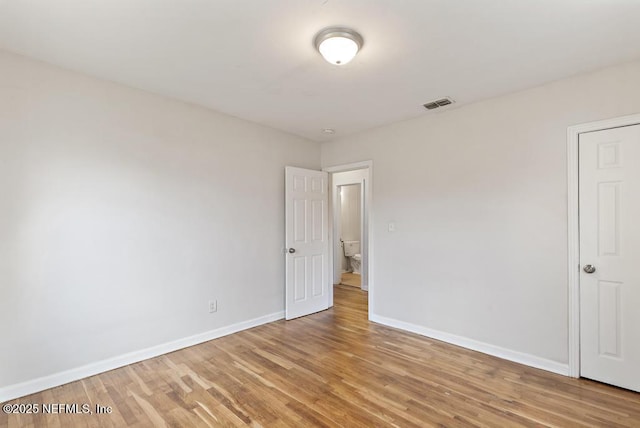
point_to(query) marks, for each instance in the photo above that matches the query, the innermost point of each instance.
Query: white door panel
(306, 212)
(610, 241)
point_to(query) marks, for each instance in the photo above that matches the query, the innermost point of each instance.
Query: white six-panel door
(307, 242)
(609, 186)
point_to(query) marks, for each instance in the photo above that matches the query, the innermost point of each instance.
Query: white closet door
(610, 256)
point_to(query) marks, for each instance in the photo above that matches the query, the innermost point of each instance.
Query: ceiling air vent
(438, 103)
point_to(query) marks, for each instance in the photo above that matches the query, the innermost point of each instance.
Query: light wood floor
(351, 279)
(335, 369)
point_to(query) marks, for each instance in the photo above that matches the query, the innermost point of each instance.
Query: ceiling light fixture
(338, 45)
(329, 131)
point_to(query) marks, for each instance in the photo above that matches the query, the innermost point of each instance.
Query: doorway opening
(350, 213)
(349, 227)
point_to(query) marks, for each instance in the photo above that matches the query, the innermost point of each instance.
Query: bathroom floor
(351, 279)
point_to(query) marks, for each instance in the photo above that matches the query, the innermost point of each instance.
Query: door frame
(367, 212)
(573, 209)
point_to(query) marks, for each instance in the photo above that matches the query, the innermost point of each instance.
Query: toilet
(352, 252)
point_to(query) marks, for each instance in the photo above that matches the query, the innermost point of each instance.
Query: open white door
(307, 241)
(609, 254)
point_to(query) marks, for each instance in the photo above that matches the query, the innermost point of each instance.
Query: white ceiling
(255, 59)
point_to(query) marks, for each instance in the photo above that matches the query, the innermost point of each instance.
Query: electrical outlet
(213, 306)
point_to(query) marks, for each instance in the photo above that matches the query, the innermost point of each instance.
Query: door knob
(292, 250)
(589, 268)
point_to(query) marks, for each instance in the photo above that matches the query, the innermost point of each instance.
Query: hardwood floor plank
(351, 279)
(333, 369)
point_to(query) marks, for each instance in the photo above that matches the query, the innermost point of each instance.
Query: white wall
(479, 198)
(122, 213)
(350, 215)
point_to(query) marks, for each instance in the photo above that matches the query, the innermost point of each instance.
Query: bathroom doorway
(353, 183)
(349, 226)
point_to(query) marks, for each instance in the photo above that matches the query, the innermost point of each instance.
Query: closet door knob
(292, 250)
(589, 268)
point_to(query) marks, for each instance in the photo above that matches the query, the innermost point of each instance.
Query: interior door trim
(573, 250)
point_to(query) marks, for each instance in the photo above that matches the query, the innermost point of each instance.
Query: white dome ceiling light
(338, 45)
